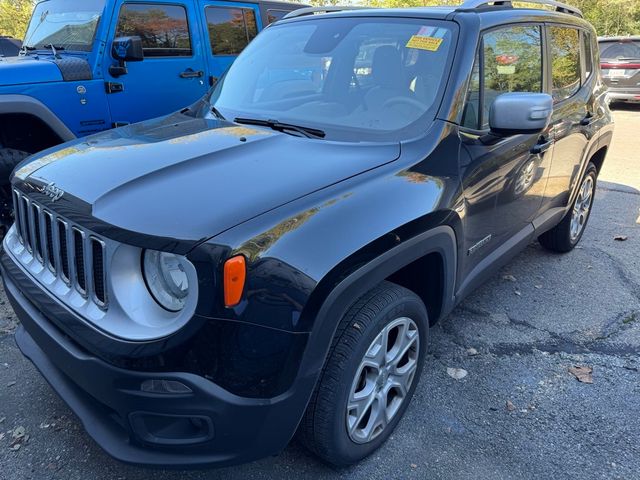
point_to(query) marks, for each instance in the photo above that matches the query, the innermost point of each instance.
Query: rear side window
(164, 29)
(510, 60)
(565, 61)
(230, 29)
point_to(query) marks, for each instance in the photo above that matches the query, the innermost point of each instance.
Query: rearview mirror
(125, 49)
(518, 112)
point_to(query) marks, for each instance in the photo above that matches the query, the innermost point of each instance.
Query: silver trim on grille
(72, 262)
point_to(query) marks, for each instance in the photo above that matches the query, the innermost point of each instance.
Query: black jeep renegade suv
(269, 260)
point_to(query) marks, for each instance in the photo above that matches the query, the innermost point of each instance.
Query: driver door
(172, 74)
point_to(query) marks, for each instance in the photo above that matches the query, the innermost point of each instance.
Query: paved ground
(519, 413)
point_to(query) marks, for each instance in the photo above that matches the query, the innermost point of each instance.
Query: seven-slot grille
(70, 252)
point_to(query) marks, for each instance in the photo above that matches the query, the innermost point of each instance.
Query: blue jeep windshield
(70, 24)
(358, 78)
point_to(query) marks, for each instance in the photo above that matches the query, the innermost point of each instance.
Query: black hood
(192, 178)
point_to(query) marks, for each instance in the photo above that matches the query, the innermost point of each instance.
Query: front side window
(230, 29)
(64, 23)
(354, 78)
(565, 61)
(164, 29)
(510, 61)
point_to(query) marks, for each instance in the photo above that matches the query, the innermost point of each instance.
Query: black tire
(323, 429)
(559, 238)
(9, 158)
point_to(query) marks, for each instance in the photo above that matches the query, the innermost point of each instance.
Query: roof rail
(301, 12)
(559, 7)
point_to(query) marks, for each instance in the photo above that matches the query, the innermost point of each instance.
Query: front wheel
(566, 235)
(369, 377)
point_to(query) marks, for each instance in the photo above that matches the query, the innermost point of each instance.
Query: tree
(14, 17)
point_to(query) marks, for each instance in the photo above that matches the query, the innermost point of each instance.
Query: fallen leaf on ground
(510, 406)
(18, 432)
(620, 238)
(517, 292)
(509, 278)
(472, 351)
(11, 384)
(538, 286)
(457, 373)
(582, 374)
(413, 465)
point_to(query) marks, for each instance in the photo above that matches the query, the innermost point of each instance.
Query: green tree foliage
(14, 17)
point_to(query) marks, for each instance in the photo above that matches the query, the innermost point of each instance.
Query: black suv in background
(200, 286)
(620, 64)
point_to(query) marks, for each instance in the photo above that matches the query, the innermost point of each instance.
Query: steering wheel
(404, 100)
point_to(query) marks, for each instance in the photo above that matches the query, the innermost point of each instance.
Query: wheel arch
(435, 248)
(29, 125)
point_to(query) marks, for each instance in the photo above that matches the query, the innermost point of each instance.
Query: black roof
(488, 15)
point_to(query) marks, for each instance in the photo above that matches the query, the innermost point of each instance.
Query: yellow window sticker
(424, 43)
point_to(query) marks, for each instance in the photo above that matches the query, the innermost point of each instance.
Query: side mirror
(518, 112)
(125, 49)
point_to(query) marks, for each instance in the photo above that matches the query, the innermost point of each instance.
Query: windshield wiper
(217, 113)
(283, 127)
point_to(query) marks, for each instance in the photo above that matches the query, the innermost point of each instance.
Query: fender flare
(441, 240)
(31, 106)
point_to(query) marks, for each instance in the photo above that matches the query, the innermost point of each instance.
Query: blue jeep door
(230, 27)
(172, 74)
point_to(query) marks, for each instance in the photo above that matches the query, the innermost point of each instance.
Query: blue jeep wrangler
(90, 65)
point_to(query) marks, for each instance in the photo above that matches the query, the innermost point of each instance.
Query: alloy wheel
(383, 380)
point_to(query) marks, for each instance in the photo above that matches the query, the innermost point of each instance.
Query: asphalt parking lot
(518, 413)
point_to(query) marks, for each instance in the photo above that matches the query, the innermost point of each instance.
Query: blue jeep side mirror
(125, 49)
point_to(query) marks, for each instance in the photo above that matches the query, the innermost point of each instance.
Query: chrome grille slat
(71, 253)
(49, 244)
(24, 218)
(79, 260)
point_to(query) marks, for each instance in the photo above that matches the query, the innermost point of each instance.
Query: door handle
(542, 146)
(192, 74)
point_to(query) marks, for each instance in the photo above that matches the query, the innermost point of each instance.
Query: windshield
(620, 50)
(353, 78)
(69, 24)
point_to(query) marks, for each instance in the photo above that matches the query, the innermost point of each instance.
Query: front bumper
(207, 426)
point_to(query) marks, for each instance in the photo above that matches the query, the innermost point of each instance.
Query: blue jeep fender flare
(31, 106)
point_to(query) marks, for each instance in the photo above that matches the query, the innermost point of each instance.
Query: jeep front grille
(69, 252)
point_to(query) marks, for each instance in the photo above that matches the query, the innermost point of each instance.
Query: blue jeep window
(65, 23)
(230, 29)
(164, 29)
(275, 15)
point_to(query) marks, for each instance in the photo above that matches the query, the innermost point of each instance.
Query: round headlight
(166, 277)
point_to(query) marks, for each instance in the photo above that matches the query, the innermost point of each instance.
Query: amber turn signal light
(235, 273)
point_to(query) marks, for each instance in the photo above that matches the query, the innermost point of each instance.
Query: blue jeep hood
(27, 70)
(192, 178)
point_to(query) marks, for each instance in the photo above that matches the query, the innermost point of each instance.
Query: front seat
(388, 78)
